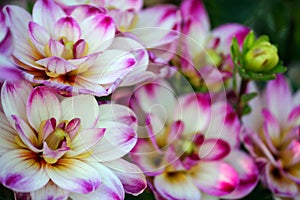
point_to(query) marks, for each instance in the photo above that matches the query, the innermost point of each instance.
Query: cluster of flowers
(105, 98)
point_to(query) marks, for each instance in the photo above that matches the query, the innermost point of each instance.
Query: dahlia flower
(205, 53)
(55, 149)
(189, 147)
(158, 33)
(272, 138)
(76, 52)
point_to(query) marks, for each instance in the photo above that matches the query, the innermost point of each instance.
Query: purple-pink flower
(189, 146)
(158, 32)
(205, 53)
(272, 138)
(54, 148)
(76, 52)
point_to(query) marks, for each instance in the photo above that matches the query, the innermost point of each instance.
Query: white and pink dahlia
(189, 147)
(55, 149)
(75, 52)
(156, 28)
(272, 138)
(205, 53)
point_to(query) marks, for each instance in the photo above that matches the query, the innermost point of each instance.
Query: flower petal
(291, 159)
(224, 124)
(8, 70)
(85, 140)
(140, 54)
(194, 110)
(84, 107)
(42, 105)
(176, 185)
(74, 175)
(275, 90)
(51, 156)
(7, 42)
(50, 191)
(110, 188)
(125, 5)
(83, 86)
(98, 31)
(157, 98)
(294, 116)
(46, 13)
(157, 131)
(272, 131)
(248, 173)
(39, 36)
(148, 158)
(118, 140)
(67, 28)
(227, 32)
(118, 113)
(14, 98)
(54, 48)
(156, 30)
(279, 183)
(56, 66)
(21, 172)
(7, 135)
(26, 134)
(215, 178)
(214, 149)
(132, 178)
(17, 19)
(110, 66)
(84, 11)
(195, 11)
(195, 19)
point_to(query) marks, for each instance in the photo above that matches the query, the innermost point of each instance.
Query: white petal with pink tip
(84, 107)
(176, 185)
(20, 171)
(14, 98)
(42, 104)
(215, 178)
(110, 188)
(132, 178)
(74, 175)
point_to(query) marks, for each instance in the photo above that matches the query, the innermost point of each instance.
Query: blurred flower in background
(204, 53)
(192, 145)
(272, 138)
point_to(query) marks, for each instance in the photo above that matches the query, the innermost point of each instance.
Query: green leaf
(246, 110)
(247, 97)
(279, 68)
(235, 50)
(248, 42)
(263, 38)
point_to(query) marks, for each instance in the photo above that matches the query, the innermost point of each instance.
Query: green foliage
(265, 66)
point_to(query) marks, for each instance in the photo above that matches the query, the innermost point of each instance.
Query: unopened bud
(262, 57)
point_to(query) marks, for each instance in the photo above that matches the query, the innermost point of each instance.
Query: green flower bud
(262, 57)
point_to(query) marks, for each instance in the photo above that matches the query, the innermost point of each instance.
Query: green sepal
(248, 97)
(246, 110)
